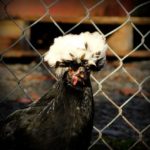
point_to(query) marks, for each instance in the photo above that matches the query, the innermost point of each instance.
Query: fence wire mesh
(98, 82)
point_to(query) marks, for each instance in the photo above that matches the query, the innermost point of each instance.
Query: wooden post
(122, 39)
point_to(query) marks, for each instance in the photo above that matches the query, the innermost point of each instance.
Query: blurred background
(121, 89)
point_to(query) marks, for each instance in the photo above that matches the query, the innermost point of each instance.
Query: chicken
(63, 118)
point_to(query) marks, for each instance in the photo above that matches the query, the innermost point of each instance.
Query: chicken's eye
(87, 67)
(71, 70)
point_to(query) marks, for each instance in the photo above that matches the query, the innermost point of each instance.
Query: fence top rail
(97, 19)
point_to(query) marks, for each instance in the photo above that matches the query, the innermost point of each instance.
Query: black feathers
(61, 120)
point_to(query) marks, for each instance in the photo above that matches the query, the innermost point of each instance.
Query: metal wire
(87, 16)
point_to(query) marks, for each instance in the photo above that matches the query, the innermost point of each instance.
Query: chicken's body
(61, 120)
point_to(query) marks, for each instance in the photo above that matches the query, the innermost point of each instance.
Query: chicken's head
(77, 55)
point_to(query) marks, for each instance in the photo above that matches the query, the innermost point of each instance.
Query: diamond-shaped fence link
(99, 131)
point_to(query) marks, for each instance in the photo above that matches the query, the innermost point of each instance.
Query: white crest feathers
(92, 45)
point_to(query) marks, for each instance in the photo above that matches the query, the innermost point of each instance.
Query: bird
(62, 119)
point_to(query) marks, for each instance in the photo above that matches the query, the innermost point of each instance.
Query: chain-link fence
(118, 110)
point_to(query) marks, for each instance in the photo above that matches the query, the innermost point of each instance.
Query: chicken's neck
(75, 106)
(74, 100)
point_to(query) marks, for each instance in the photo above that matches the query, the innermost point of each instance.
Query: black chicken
(63, 118)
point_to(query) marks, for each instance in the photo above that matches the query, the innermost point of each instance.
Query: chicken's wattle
(75, 80)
